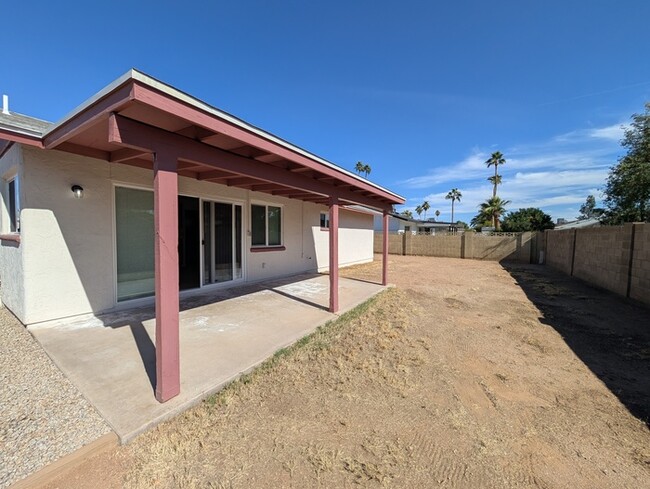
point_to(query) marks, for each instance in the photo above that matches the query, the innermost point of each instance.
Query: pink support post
(334, 255)
(384, 250)
(166, 276)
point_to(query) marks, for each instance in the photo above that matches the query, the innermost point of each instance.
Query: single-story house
(590, 222)
(398, 223)
(144, 192)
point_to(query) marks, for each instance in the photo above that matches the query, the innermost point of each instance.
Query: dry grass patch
(305, 416)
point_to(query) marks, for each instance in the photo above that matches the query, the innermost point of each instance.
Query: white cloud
(614, 132)
(555, 175)
(466, 169)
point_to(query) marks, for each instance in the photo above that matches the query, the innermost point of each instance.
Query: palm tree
(425, 208)
(495, 180)
(407, 214)
(496, 159)
(360, 167)
(437, 214)
(491, 210)
(419, 210)
(366, 170)
(453, 195)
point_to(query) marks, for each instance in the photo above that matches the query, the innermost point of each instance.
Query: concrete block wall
(559, 250)
(443, 246)
(616, 258)
(514, 248)
(640, 273)
(395, 243)
(468, 245)
(602, 256)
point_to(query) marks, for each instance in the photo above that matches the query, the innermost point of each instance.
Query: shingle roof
(24, 124)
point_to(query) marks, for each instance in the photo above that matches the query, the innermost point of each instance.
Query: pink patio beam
(166, 276)
(334, 255)
(384, 250)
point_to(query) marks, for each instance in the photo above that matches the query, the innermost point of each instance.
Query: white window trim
(266, 205)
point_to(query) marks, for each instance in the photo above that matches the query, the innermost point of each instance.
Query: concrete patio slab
(224, 333)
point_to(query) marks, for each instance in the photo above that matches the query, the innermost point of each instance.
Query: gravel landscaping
(43, 416)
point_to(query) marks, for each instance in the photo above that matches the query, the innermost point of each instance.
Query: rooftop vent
(5, 104)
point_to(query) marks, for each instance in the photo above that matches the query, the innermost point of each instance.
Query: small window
(266, 225)
(14, 205)
(407, 228)
(324, 220)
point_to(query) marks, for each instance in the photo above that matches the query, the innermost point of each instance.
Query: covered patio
(140, 121)
(223, 334)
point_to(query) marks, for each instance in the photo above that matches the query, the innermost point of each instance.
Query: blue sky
(422, 91)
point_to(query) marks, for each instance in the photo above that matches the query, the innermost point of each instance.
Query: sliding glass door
(222, 242)
(135, 243)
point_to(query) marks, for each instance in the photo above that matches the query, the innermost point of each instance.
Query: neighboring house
(145, 191)
(400, 224)
(591, 222)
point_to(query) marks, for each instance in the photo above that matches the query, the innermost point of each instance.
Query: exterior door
(222, 242)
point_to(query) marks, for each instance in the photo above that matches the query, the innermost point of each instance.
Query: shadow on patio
(608, 333)
(224, 333)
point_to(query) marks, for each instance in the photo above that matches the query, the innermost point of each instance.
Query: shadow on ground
(610, 334)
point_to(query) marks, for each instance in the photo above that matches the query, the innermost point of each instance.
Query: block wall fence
(616, 258)
(522, 247)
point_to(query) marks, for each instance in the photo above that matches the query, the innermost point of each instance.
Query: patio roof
(230, 147)
(140, 121)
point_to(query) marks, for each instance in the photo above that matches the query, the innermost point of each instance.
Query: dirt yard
(467, 374)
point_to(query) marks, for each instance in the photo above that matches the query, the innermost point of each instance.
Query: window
(134, 224)
(266, 225)
(14, 205)
(324, 220)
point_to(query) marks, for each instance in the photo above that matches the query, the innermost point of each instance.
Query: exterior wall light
(78, 191)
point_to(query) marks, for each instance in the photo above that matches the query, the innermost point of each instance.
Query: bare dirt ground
(467, 374)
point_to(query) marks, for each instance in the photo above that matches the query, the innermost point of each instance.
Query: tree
(453, 195)
(425, 208)
(495, 180)
(360, 167)
(495, 160)
(628, 184)
(366, 170)
(408, 214)
(589, 210)
(489, 212)
(418, 209)
(528, 219)
(437, 213)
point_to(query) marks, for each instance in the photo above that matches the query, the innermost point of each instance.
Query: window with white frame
(324, 220)
(13, 207)
(266, 225)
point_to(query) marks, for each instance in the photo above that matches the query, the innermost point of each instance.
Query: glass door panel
(223, 242)
(223, 246)
(208, 255)
(238, 243)
(134, 227)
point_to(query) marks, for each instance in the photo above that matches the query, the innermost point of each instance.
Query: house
(144, 192)
(590, 222)
(397, 223)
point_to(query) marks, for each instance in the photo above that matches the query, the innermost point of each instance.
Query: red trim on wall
(10, 237)
(263, 249)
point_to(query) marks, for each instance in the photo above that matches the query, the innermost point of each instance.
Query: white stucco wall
(11, 253)
(355, 239)
(68, 244)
